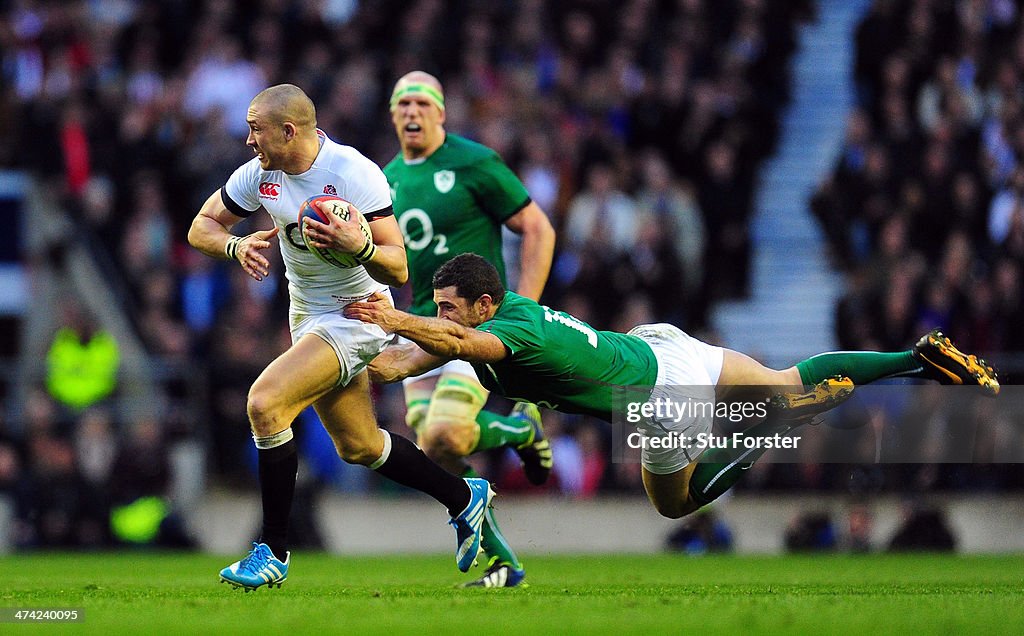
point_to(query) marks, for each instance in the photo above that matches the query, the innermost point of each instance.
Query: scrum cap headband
(430, 92)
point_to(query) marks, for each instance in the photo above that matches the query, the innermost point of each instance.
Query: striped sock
(497, 431)
(720, 468)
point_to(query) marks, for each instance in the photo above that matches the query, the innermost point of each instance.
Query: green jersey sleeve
(516, 336)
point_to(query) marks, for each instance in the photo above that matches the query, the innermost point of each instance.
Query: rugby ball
(330, 205)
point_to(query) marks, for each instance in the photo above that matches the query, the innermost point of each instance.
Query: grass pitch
(128, 592)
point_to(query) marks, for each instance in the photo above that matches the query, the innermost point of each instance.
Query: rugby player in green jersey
(452, 196)
(527, 351)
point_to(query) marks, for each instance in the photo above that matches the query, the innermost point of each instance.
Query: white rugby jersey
(313, 286)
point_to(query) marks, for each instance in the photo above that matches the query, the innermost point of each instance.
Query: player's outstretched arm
(436, 336)
(210, 233)
(399, 362)
(536, 250)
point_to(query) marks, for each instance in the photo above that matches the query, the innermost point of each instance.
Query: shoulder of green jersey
(467, 152)
(395, 162)
(487, 327)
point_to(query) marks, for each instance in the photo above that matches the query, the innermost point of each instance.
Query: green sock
(720, 468)
(501, 430)
(860, 366)
(493, 542)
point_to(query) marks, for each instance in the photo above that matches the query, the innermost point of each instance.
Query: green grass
(622, 594)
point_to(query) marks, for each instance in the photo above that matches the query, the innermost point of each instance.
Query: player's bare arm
(388, 263)
(399, 362)
(436, 336)
(536, 251)
(210, 233)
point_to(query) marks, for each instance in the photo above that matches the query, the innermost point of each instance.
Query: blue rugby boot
(470, 523)
(259, 567)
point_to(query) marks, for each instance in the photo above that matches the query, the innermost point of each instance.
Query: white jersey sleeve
(241, 192)
(377, 190)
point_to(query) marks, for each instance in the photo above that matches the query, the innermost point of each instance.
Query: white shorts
(452, 366)
(356, 343)
(688, 369)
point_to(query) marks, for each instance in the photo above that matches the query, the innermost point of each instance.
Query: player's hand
(249, 257)
(345, 236)
(376, 310)
(400, 361)
(381, 373)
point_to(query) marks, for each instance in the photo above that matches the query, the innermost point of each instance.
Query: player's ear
(483, 304)
(289, 131)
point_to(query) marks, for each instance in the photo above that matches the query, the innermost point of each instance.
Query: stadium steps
(83, 280)
(789, 314)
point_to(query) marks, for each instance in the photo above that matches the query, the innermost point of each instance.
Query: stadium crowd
(923, 208)
(639, 126)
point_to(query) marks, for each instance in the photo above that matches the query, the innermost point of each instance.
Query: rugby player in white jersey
(326, 364)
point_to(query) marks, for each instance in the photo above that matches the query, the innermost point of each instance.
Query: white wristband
(366, 254)
(231, 249)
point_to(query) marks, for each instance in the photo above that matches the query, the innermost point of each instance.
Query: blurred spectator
(161, 326)
(83, 360)
(97, 212)
(700, 533)
(57, 507)
(140, 484)
(923, 528)
(1006, 213)
(860, 524)
(670, 206)
(222, 80)
(237, 361)
(595, 461)
(204, 290)
(96, 446)
(141, 467)
(948, 89)
(725, 201)
(74, 145)
(601, 216)
(570, 464)
(811, 532)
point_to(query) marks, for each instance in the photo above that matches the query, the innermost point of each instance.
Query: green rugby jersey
(560, 362)
(454, 201)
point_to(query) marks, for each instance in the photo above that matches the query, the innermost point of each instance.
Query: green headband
(431, 93)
